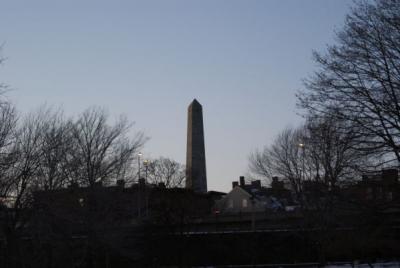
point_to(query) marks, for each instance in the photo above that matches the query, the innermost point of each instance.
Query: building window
(244, 203)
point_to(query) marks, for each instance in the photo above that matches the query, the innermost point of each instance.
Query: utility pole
(146, 165)
(138, 185)
(302, 146)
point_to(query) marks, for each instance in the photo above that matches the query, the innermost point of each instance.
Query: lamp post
(145, 163)
(302, 146)
(138, 185)
(139, 155)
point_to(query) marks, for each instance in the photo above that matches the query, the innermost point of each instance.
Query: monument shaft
(196, 177)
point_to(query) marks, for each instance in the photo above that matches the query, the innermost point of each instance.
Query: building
(381, 187)
(253, 197)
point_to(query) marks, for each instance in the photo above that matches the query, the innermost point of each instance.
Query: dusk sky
(242, 60)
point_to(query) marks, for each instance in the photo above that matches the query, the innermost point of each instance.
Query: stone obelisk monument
(196, 176)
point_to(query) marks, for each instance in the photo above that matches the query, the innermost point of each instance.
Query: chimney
(256, 184)
(241, 179)
(234, 184)
(276, 184)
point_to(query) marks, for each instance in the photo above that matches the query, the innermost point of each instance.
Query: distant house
(245, 198)
(238, 200)
(379, 187)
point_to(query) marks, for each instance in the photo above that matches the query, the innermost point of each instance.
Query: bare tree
(101, 151)
(3, 86)
(8, 155)
(18, 182)
(316, 159)
(359, 77)
(330, 144)
(166, 171)
(55, 147)
(8, 128)
(320, 151)
(284, 157)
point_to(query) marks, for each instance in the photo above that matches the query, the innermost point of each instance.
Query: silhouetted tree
(3, 86)
(318, 151)
(55, 147)
(359, 77)
(166, 171)
(18, 183)
(330, 144)
(45, 152)
(101, 151)
(284, 157)
(99, 154)
(8, 154)
(315, 158)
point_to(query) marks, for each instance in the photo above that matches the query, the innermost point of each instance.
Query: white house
(239, 200)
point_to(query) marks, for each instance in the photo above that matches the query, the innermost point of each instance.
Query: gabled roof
(240, 190)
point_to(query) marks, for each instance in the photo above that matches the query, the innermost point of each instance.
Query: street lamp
(139, 155)
(302, 146)
(138, 193)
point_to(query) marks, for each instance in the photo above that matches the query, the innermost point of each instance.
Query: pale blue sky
(243, 61)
